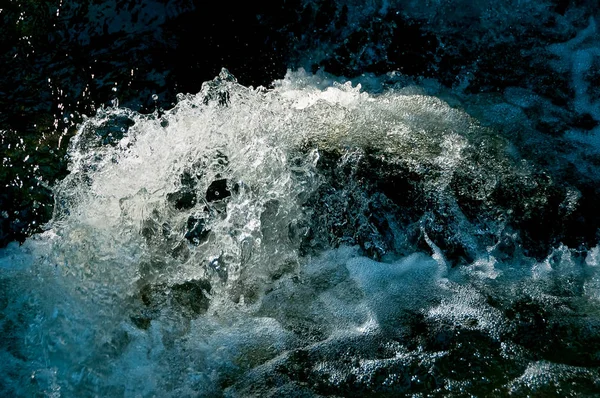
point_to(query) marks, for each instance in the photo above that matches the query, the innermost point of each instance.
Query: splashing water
(310, 238)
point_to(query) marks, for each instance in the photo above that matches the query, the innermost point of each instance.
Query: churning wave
(313, 239)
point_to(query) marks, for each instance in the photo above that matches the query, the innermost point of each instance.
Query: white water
(113, 300)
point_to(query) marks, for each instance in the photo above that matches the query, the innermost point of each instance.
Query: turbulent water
(313, 239)
(426, 226)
